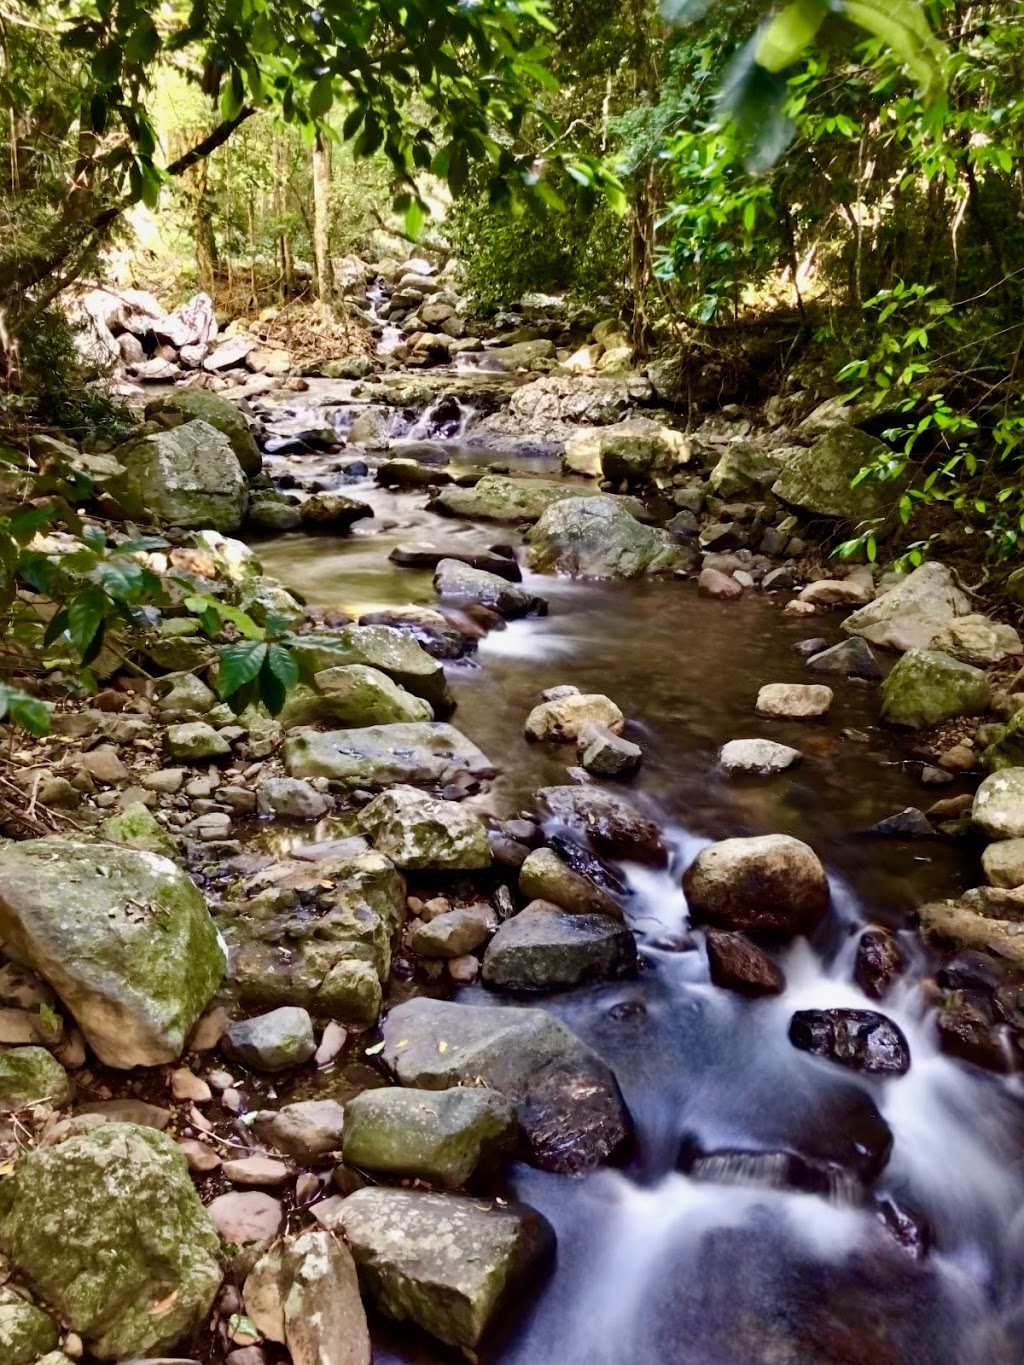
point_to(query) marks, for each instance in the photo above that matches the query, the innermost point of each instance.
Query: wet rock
(808, 648)
(598, 537)
(134, 993)
(960, 926)
(378, 755)
(109, 1231)
(605, 754)
(905, 824)
(757, 757)
(501, 499)
(391, 651)
(415, 830)
(406, 474)
(226, 417)
(432, 630)
(879, 962)
(566, 1100)
(850, 659)
(631, 452)
(443, 1262)
(30, 1077)
(549, 950)
(1003, 863)
(454, 934)
(544, 876)
(772, 884)
(332, 512)
(291, 799)
(859, 1039)
(273, 514)
(189, 476)
(447, 1138)
(927, 687)
(911, 614)
(738, 965)
(606, 822)
(999, 804)
(424, 555)
(305, 1295)
(818, 479)
(563, 720)
(977, 640)
(714, 584)
(272, 1042)
(968, 1029)
(793, 701)
(352, 695)
(306, 1130)
(462, 584)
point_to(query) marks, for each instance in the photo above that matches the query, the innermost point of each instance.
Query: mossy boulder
(108, 1229)
(26, 1332)
(384, 648)
(30, 1076)
(379, 755)
(419, 831)
(352, 695)
(629, 452)
(1008, 750)
(189, 476)
(498, 498)
(137, 827)
(927, 687)
(218, 412)
(597, 537)
(746, 468)
(444, 1137)
(818, 480)
(122, 935)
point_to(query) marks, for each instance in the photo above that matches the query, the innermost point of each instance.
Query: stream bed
(695, 1252)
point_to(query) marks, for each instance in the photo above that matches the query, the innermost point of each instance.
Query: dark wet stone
(567, 1101)
(968, 1029)
(907, 1226)
(609, 823)
(859, 1039)
(427, 555)
(808, 648)
(460, 583)
(738, 965)
(851, 659)
(507, 852)
(879, 962)
(547, 950)
(441, 641)
(907, 824)
(970, 970)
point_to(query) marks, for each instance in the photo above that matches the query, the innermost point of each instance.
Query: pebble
(200, 1157)
(332, 1040)
(185, 1085)
(714, 584)
(247, 1218)
(262, 1171)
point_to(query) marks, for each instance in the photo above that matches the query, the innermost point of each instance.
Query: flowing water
(696, 1253)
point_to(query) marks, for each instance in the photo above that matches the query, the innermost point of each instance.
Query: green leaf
(86, 614)
(321, 97)
(24, 710)
(239, 664)
(282, 664)
(784, 39)
(414, 219)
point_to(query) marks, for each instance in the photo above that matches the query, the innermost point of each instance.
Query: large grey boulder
(108, 1229)
(123, 936)
(498, 498)
(190, 405)
(631, 452)
(463, 585)
(567, 1101)
(550, 950)
(352, 695)
(189, 476)
(927, 687)
(770, 884)
(385, 648)
(597, 537)
(446, 1137)
(378, 755)
(446, 1263)
(415, 830)
(556, 403)
(819, 480)
(912, 613)
(977, 640)
(746, 469)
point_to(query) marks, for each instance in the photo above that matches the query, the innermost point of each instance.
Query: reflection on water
(654, 1266)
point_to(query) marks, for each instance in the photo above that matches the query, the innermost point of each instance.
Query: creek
(696, 1251)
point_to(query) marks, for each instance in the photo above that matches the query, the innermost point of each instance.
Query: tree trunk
(207, 256)
(322, 225)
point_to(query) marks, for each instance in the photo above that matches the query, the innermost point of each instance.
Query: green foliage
(56, 388)
(257, 667)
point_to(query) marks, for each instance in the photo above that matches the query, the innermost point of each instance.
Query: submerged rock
(443, 1262)
(911, 614)
(415, 830)
(378, 755)
(598, 537)
(566, 1099)
(927, 687)
(549, 950)
(124, 937)
(108, 1229)
(608, 823)
(189, 476)
(772, 884)
(859, 1039)
(849, 659)
(446, 1138)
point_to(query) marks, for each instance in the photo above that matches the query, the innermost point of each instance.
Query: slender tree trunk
(644, 209)
(322, 225)
(207, 256)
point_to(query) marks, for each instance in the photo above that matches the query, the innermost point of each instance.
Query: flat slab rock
(443, 1262)
(566, 1099)
(379, 755)
(549, 950)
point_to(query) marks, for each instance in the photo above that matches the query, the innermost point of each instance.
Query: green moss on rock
(927, 687)
(30, 1076)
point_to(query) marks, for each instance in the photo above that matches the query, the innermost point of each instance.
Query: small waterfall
(446, 419)
(391, 336)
